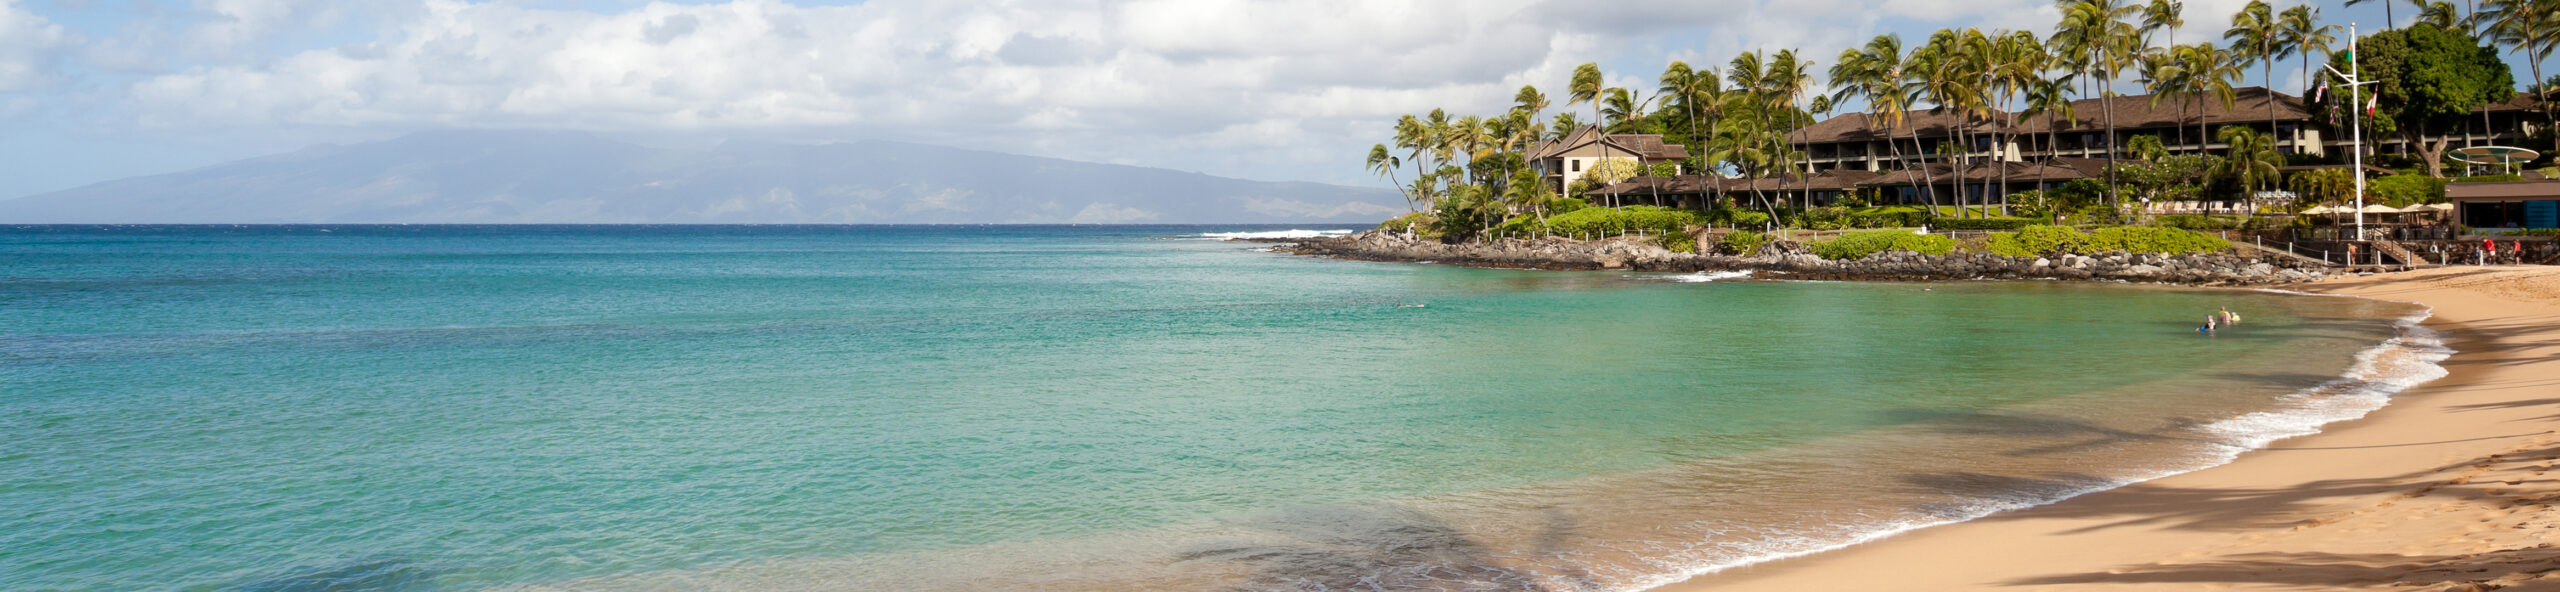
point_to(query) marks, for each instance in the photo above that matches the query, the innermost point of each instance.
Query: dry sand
(2451, 487)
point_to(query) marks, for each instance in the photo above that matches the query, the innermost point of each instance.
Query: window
(1577, 165)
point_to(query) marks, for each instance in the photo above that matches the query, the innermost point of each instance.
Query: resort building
(2506, 206)
(1561, 161)
(1867, 142)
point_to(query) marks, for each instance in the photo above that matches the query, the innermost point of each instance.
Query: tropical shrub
(1858, 245)
(2405, 190)
(1741, 218)
(1566, 205)
(2153, 239)
(1678, 242)
(2490, 179)
(1741, 242)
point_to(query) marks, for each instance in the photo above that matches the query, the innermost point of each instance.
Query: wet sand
(2449, 488)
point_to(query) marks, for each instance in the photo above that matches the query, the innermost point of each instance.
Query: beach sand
(2451, 487)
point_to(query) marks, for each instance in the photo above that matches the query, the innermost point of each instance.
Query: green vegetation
(1678, 242)
(1469, 176)
(1600, 222)
(1858, 245)
(2430, 78)
(1742, 242)
(2153, 239)
(2041, 241)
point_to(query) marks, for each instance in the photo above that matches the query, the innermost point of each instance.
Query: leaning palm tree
(1874, 74)
(1384, 163)
(2256, 36)
(2530, 28)
(2162, 76)
(1530, 100)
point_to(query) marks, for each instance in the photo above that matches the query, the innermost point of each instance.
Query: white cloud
(1271, 89)
(30, 48)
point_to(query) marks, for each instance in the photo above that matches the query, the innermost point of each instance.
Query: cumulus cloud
(1255, 88)
(30, 48)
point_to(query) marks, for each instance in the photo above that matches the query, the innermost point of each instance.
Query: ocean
(285, 408)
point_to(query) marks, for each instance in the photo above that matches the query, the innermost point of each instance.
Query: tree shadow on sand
(2478, 571)
(1387, 548)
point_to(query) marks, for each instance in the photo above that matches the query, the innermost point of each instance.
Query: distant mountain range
(566, 177)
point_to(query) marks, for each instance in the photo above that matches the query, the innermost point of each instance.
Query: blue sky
(94, 90)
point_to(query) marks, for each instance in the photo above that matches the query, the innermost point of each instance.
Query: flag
(2372, 106)
(2320, 92)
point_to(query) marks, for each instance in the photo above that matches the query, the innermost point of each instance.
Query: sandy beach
(2448, 488)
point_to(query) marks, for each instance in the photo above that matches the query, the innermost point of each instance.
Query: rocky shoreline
(2202, 269)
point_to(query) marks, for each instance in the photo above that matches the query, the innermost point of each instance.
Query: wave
(1293, 233)
(1702, 277)
(2409, 359)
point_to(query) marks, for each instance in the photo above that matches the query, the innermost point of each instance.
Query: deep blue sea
(1063, 408)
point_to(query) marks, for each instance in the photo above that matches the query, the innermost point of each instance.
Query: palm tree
(2388, 21)
(1588, 86)
(2252, 161)
(1530, 100)
(1874, 74)
(1412, 134)
(2050, 98)
(2306, 37)
(1384, 163)
(1789, 80)
(2163, 15)
(1620, 114)
(2208, 72)
(2161, 76)
(2257, 29)
(2098, 32)
(1564, 126)
(2528, 27)
(2441, 14)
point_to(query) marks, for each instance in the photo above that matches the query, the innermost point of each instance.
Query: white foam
(1702, 277)
(1273, 234)
(2404, 361)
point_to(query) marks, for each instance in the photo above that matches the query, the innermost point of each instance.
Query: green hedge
(1981, 223)
(2040, 241)
(1858, 245)
(1599, 222)
(2153, 239)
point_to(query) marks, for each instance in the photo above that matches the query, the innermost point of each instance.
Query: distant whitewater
(1274, 234)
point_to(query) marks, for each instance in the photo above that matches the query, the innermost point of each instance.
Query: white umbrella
(2380, 209)
(2319, 210)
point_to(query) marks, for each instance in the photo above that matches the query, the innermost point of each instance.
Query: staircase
(2401, 253)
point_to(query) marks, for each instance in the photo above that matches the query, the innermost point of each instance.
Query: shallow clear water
(455, 408)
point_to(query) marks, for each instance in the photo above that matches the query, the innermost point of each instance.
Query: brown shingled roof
(1648, 146)
(2132, 111)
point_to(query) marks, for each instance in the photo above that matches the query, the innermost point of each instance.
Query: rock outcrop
(1795, 261)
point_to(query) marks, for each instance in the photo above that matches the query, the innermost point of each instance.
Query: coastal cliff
(2201, 269)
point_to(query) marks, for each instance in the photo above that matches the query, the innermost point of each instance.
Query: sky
(96, 90)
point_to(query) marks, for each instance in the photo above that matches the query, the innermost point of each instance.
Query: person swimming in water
(2208, 325)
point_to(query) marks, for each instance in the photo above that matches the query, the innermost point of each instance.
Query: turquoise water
(459, 408)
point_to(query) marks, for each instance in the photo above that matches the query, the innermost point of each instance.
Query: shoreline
(2444, 488)
(2222, 268)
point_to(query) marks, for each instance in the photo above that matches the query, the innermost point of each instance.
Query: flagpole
(2355, 100)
